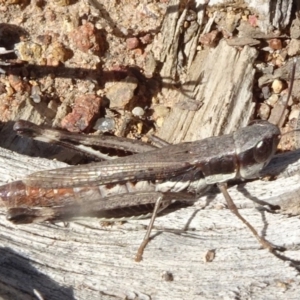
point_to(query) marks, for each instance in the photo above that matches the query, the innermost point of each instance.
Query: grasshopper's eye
(263, 150)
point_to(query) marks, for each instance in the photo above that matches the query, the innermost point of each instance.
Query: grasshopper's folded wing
(159, 164)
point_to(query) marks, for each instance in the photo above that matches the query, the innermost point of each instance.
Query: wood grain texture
(88, 261)
(223, 93)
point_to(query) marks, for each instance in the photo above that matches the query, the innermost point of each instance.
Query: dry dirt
(76, 62)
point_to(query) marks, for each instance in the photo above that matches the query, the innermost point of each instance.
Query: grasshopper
(143, 184)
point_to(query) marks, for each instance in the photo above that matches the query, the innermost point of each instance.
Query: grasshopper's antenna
(292, 79)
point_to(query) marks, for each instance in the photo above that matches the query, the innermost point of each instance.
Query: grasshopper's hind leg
(234, 210)
(146, 239)
(162, 202)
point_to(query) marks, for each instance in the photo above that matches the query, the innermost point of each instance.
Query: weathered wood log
(88, 260)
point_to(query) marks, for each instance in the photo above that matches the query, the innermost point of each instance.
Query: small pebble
(266, 92)
(275, 44)
(105, 124)
(167, 276)
(272, 100)
(293, 47)
(209, 256)
(268, 70)
(132, 43)
(295, 29)
(264, 111)
(35, 94)
(84, 110)
(18, 84)
(15, 82)
(86, 38)
(284, 98)
(120, 93)
(294, 114)
(277, 86)
(138, 111)
(29, 51)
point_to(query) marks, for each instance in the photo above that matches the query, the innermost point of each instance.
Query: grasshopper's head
(255, 145)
